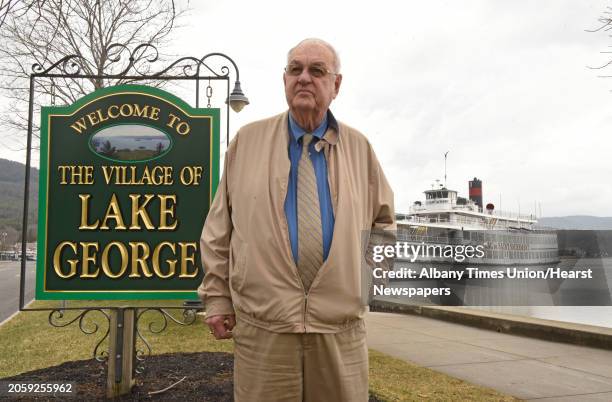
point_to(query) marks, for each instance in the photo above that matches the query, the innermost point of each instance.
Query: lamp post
(236, 99)
(2, 242)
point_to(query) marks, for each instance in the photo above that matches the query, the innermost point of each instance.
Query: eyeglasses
(315, 70)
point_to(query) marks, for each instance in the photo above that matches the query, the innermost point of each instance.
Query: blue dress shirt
(320, 168)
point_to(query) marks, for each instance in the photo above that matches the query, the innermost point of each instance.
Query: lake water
(136, 143)
(584, 301)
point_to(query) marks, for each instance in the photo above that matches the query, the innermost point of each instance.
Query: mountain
(577, 222)
(12, 177)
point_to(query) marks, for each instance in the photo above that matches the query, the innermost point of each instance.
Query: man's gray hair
(318, 42)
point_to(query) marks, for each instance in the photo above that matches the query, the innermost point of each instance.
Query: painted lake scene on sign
(130, 142)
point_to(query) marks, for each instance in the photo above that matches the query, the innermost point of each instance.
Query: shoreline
(550, 330)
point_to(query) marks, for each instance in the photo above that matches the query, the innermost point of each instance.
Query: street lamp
(237, 100)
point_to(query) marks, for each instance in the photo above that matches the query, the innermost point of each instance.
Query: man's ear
(337, 83)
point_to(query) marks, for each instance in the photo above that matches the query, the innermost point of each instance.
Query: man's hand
(221, 325)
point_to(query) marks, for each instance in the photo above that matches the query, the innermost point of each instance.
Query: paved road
(530, 369)
(9, 286)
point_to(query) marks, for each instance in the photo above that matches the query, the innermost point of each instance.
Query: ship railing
(512, 215)
(422, 219)
(427, 239)
(448, 207)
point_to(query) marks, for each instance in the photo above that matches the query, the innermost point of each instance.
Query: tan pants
(269, 366)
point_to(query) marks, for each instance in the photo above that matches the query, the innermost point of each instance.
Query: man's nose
(304, 76)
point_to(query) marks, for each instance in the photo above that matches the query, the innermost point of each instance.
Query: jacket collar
(329, 138)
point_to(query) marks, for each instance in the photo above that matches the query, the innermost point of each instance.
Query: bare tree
(15, 6)
(604, 25)
(97, 32)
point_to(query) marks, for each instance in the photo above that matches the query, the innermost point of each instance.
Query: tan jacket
(245, 245)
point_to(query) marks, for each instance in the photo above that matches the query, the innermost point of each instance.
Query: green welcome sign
(127, 175)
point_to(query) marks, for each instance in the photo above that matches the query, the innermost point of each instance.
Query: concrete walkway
(526, 368)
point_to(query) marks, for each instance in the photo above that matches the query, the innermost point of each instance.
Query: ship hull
(496, 247)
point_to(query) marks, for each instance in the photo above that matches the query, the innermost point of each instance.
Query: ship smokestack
(476, 191)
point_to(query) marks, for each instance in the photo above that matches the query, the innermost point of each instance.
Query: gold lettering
(146, 176)
(75, 174)
(197, 173)
(173, 120)
(84, 214)
(157, 175)
(88, 175)
(63, 170)
(87, 258)
(171, 263)
(138, 210)
(93, 118)
(121, 175)
(186, 256)
(154, 113)
(56, 260)
(101, 116)
(183, 128)
(166, 210)
(108, 173)
(79, 125)
(113, 212)
(190, 175)
(124, 259)
(168, 175)
(124, 107)
(184, 181)
(140, 260)
(141, 112)
(110, 111)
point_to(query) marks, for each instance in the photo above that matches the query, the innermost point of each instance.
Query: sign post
(122, 352)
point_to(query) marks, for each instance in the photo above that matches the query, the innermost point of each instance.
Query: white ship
(445, 219)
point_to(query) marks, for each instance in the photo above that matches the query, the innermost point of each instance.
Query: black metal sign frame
(137, 69)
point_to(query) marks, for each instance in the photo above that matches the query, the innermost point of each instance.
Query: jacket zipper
(305, 308)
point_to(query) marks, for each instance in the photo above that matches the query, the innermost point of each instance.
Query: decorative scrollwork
(139, 62)
(69, 65)
(187, 66)
(189, 317)
(56, 315)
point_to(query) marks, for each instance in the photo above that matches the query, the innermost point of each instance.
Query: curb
(549, 330)
(7, 319)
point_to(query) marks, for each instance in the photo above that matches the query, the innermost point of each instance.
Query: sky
(503, 86)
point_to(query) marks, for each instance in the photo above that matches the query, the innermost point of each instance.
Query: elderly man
(282, 243)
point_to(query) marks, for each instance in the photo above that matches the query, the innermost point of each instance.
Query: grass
(28, 342)
(397, 380)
